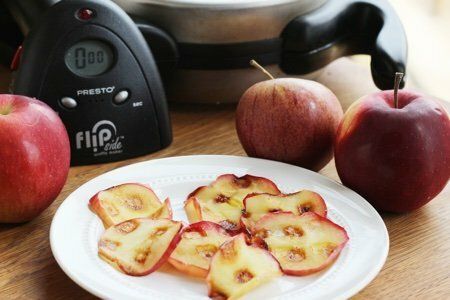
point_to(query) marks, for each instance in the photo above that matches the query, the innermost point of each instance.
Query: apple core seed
(221, 198)
(293, 231)
(243, 276)
(296, 254)
(304, 208)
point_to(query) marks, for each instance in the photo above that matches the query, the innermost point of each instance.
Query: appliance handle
(346, 27)
(163, 46)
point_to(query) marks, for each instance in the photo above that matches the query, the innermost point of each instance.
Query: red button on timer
(86, 14)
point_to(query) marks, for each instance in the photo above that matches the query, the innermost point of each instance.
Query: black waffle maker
(202, 50)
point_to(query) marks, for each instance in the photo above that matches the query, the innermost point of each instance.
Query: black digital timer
(90, 63)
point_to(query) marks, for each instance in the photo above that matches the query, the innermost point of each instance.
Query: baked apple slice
(257, 205)
(238, 267)
(222, 201)
(302, 244)
(164, 211)
(140, 246)
(124, 202)
(199, 242)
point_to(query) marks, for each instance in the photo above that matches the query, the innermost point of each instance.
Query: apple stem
(398, 80)
(253, 63)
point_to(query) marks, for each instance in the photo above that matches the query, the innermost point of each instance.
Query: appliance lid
(219, 21)
(216, 4)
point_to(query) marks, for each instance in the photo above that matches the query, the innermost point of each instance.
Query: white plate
(75, 231)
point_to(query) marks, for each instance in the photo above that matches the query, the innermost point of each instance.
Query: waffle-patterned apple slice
(124, 202)
(239, 267)
(257, 205)
(199, 242)
(164, 211)
(140, 246)
(222, 201)
(302, 244)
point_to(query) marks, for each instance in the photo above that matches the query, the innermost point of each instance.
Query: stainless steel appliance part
(220, 21)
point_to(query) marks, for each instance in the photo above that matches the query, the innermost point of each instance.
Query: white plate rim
(362, 283)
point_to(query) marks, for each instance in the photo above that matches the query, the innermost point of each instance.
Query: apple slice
(239, 267)
(222, 201)
(124, 202)
(199, 242)
(164, 212)
(257, 205)
(302, 244)
(140, 246)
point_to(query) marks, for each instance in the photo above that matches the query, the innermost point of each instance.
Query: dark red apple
(34, 157)
(397, 157)
(289, 120)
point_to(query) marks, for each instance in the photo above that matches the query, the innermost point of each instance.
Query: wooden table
(418, 266)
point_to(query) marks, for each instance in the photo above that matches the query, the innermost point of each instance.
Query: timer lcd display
(89, 58)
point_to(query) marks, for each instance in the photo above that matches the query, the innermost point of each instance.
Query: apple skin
(397, 158)
(34, 157)
(289, 120)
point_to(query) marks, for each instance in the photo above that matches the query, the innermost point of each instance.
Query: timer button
(68, 102)
(121, 97)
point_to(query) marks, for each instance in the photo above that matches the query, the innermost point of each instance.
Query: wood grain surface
(418, 266)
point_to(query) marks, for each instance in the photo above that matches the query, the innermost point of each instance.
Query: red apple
(34, 157)
(289, 120)
(398, 158)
